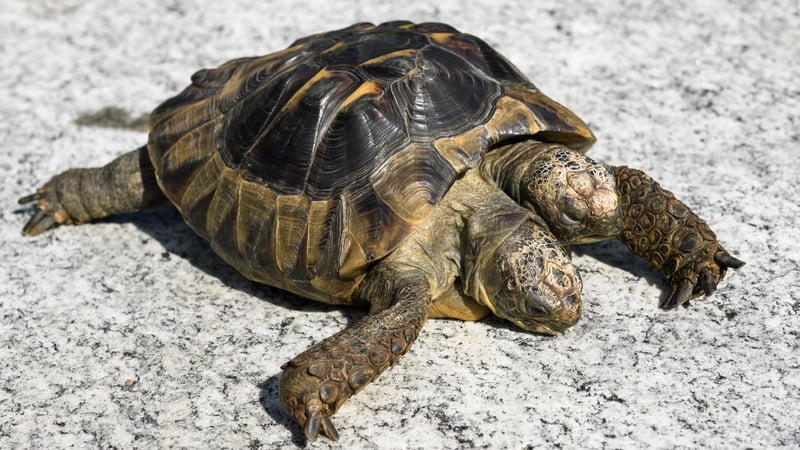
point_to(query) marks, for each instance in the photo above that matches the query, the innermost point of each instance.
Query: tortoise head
(530, 281)
(574, 194)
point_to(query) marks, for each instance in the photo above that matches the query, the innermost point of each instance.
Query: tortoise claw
(680, 294)
(708, 282)
(49, 211)
(699, 277)
(319, 422)
(39, 223)
(36, 196)
(311, 430)
(725, 259)
(329, 430)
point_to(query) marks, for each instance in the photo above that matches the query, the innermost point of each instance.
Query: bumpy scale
(407, 168)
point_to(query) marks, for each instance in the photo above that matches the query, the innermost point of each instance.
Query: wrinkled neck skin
(575, 195)
(474, 217)
(501, 253)
(506, 165)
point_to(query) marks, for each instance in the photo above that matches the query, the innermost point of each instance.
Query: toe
(39, 223)
(708, 281)
(49, 212)
(680, 294)
(318, 421)
(725, 259)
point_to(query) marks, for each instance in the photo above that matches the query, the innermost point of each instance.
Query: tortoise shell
(304, 166)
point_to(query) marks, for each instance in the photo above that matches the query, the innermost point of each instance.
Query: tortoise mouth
(545, 327)
(589, 239)
(587, 233)
(556, 322)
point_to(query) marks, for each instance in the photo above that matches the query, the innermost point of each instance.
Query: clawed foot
(310, 397)
(673, 239)
(699, 278)
(49, 211)
(316, 421)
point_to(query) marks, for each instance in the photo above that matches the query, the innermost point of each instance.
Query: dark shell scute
(247, 120)
(445, 96)
(373, 45)
(304, 166)
(355, 138)
(487, 59)
(284, 151)
(317, 146)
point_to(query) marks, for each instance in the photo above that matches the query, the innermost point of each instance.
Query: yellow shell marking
(405, 53)
(368, 88)
(459, 150)
(441, 38)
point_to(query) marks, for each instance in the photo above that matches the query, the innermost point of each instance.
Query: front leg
(670, 237)
(318, 381)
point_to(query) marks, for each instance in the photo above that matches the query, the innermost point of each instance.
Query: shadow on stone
(166, 226)
(615, 254)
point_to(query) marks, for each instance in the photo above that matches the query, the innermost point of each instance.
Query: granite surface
(130, 333)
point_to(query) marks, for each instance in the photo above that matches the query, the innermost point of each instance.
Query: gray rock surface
(131, 334)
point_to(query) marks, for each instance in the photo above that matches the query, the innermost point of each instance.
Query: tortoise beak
(537, 327)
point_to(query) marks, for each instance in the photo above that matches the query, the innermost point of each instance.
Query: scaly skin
(400, 289)
(670, 237)
(574, 194)
(583, 201)
(318, 381)
(75, 196)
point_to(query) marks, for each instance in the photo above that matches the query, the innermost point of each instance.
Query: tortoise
(407, 168)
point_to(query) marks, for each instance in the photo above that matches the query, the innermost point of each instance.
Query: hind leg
(126, 184)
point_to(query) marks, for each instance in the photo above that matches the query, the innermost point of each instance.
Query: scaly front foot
(698, 272)
(318, 381)
(668, 235)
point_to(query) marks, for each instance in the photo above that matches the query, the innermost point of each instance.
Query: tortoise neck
(506, 164)
(487, 217)
(463, 231)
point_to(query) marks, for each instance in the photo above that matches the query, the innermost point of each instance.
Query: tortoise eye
(574, 209)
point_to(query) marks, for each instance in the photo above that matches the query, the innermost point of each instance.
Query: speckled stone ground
(132, 334)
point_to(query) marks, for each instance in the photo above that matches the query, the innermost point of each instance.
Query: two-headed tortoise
(408, 168)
